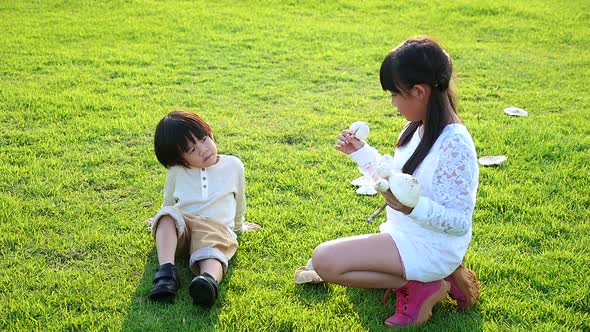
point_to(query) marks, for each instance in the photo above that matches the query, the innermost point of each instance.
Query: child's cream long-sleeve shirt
(217, 192)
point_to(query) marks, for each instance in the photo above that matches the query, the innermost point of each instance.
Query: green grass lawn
(83, 84)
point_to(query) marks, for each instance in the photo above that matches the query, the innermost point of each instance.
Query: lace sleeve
(454, 188)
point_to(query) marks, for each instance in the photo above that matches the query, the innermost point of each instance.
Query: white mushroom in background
(492, 160)
(515, 111)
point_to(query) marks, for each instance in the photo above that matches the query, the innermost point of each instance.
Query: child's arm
(169, 199)
(454, 185)
(168, 194)
(240, 199)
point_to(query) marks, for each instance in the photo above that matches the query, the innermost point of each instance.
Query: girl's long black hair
(421, 60)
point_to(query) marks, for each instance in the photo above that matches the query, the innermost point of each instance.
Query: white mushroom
(515, 111)
(405, 188)
(366, 190)
(382, 185)
(385, 166)
(306, 274)
(492, 160)
(360, 130)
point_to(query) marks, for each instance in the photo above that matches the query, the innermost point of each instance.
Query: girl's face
(202, 153)
(412, 104)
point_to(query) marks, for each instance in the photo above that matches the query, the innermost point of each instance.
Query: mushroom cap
(382, 185)
(385, 166)
(492, 160)
(405, 188)
(360, 130)
(515, 111)
(383, 171)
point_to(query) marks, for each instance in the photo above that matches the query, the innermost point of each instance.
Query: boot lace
(402, 299)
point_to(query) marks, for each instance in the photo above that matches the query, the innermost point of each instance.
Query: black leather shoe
(204, 290)
(165, 285)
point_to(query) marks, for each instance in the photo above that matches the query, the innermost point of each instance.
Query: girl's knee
(323, 261)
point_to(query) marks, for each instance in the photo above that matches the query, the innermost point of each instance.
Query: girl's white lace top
(449, 177)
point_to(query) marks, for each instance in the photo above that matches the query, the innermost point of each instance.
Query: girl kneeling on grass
(419, 251)
(203, 209)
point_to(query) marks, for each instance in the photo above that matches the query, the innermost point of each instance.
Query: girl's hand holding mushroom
(352, 139)
(401, 191)
(393, 203)
(348, 143)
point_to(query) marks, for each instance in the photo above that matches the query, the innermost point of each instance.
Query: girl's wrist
(359, 146)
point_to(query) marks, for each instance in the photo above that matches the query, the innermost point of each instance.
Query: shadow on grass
(312, 294)
(445, 317)
(181, 315)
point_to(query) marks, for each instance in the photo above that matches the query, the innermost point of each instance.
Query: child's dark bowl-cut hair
(173, 134)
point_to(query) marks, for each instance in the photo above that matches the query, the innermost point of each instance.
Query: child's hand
(347, 143)
(250, 226)
(395, 204)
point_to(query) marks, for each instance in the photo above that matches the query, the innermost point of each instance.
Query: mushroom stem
(376, 213)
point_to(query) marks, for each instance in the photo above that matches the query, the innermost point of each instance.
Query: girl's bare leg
(364, 261)
(166, 239)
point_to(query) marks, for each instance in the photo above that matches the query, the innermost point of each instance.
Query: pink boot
(464, 287)
(415, 301)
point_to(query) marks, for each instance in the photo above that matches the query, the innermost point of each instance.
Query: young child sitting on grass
(203, 209)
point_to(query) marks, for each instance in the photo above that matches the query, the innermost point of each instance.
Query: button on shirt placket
(204, 183)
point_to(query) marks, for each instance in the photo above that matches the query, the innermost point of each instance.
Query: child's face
(202, 153)
(410, 104)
